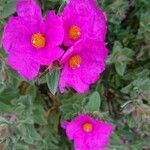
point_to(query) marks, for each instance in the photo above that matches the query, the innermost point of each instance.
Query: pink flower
(82, 65)
(83, 19)
(88, 133)
(31, 41)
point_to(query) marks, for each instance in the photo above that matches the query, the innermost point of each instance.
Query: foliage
(30, 114)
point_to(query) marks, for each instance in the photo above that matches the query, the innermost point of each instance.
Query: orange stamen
(74, 32)
(38, 40)
(75, 61)
(87, 127)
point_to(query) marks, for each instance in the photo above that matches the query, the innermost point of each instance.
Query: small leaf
(120, 68)
(7, 93)
(32, 91)
(94, 102)
(52, 81)
(5, 108)
(53, 117)
(21, 146)
(8, 9)
(38, 115)
(3, 121)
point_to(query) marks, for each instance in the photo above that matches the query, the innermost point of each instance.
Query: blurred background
(31, 112)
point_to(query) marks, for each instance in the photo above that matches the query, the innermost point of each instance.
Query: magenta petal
(54, 29)
(93, 56)
(74, 20)
(97, 139)
(29, 10)
(73, 130)
(91, 71)
(105, 130)
(23, 55)
(64, 124)
(16, 34)
(47, 55)
(24, 64)
(88, 17)
(93, 64)
(70, 79)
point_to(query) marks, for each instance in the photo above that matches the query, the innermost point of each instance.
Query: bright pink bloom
(31, 41)
(83, 19)
(88, 133)
(82, 65)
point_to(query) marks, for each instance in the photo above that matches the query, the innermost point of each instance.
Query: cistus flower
(83, 19)
(82, 65)
(88, 133)
(30, 40)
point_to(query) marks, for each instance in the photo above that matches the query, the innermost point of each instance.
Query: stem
(54, 99)
(55, 104)
(45, 71)
(2, 59)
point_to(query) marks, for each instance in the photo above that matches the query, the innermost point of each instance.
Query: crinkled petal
(29, 10)
(24, 65)
(105, 130)
(64, 124)
(54, 29)
(69, 53)
(93, 55)
(96, 47)
(100, 137)
(16, 34)
(47, 55)
(90, 71)
(88, 17)
(97, 139)
(87, 47)
(74, 128)
(97, 24)
(93, 64)
(74, 20)
(70, 79)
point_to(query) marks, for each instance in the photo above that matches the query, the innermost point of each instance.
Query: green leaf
(94, 102)
(25, 133)
(21, 146)
(115, 10)
(3, 121)
(38, 115)
(54, 117)
(7, 93)
(5, 108)
(8, 9)
(32, 91)
(13, 77)
(120, 68)
(52, 81)
(28, 133)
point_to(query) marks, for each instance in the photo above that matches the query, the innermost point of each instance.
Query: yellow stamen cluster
(38, 40)
(75, 61)
(74, 32)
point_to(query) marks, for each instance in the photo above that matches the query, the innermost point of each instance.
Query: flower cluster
(32, 41)
(88, 133)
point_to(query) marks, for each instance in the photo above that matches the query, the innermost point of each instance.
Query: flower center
(87, 127)
(38, 40)
(75, 61)
(74, 32)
